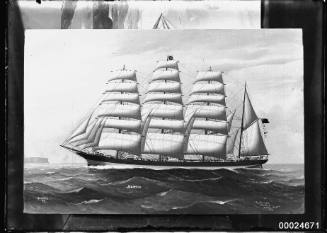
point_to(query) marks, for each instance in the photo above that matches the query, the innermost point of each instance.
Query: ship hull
(110, 162)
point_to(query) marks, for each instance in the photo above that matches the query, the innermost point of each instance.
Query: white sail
(170, 64)
(81, 129)
(122, 87)
(249, 114)
(163, 110)
(123, 75)
(91, 135)
(216, 88)
(231, 142)
(119, 110)
(171, 75)
(94, 141)
(171, 97)
(209, 76)
(85, 134)
(164, 87)
(206, 111)
(215, 126)
(252, 141)
(162, 23)
(164, 100)
(123, 97)
(121, 142)
(165, 144)
(230, 120)
(210, 145)
(176, 125)
(218, 99)
(132, 125)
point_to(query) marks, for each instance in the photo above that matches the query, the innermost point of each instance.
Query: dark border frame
(307, 15)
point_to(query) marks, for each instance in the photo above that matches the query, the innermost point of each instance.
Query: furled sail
(252, 141)
(163, 103)
(249, 114)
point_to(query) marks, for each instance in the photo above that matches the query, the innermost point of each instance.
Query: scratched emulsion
(273, 189)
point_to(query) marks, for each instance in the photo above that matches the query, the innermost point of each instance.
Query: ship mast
(121, 102)
(163, 103)
(241, 133)
(208, 103)
(207, 107)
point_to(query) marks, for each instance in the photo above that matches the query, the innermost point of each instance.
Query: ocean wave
(200, 180)
(175, 191)
(73, 190)
(92, 201)
(204, 207)
(65, 179)
(162, 194)
(222, 202)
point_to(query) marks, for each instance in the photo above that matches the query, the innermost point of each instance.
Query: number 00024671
(298, 225)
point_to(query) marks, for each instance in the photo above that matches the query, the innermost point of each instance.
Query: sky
(66, 70)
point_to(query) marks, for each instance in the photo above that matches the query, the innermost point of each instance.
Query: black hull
(94, 160)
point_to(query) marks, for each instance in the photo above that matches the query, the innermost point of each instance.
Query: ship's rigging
(163, 23)
(162, 128)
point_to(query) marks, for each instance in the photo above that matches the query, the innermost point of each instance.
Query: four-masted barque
(162, 131)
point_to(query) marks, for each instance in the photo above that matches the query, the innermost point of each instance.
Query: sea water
(77, 189)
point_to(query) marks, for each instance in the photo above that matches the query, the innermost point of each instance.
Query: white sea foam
(162, 194)
(92, 201)
(64, 179)
(207, 179)
(74, 190)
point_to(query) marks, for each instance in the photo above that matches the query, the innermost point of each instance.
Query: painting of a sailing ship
(164, 122)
